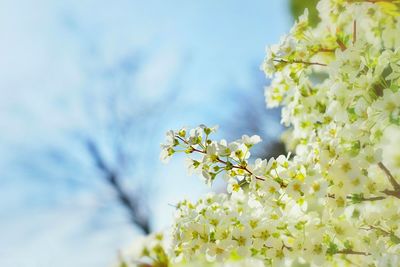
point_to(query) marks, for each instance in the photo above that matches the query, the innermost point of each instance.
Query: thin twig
(299, 62)
(377, 1)
(369, 1)
(392, 180)
(326, 50)
(395, 184)
(373, 198)
(341, 45)
(376, 198)
(352, 252)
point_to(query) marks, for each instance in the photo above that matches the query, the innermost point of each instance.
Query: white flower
(250, 141)
(243, 241)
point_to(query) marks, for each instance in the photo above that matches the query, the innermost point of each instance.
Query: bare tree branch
(111, 176)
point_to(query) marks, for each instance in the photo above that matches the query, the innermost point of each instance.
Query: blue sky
(61, 61)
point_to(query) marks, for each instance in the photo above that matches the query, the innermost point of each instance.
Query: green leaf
(395, 239)
(297, 8)
(332, 249)
(357, 198)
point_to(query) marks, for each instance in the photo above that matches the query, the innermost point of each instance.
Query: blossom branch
(390, 234)
(299, 62)
(244, 168)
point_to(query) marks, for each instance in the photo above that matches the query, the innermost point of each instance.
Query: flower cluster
(335, 200)
(149, 251)
(212, 157)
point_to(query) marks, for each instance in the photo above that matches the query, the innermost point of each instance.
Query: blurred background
(88, 90)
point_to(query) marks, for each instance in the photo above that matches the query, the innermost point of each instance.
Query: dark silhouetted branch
(131, 205)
